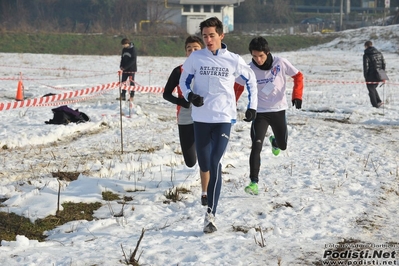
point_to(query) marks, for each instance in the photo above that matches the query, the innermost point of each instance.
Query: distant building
(190, 13)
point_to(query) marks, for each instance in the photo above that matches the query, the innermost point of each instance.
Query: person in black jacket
(128, 66)
(372, 60)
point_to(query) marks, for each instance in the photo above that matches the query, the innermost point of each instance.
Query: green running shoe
(275, 150)
(252, 188)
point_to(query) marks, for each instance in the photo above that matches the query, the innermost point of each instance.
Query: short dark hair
(368, 44)
(125, 41)
(193, 39)
(212, 22)
(259, 44)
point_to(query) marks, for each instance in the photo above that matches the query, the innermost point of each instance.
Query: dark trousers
(373, 94)
(211, 141)
(187, 144)
(277, 121)
(126, 76)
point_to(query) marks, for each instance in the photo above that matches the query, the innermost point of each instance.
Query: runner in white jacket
(214, 81)
(271, 72)
(213, 72)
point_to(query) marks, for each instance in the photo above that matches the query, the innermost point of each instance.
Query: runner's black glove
(297, 103)
(250, 115)
(195, 99)
(183, 103)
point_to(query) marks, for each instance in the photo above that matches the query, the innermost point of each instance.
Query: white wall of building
(228, 18)
(189, 13)
(191, 19)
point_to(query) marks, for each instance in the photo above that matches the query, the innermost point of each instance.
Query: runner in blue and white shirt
(213, 72)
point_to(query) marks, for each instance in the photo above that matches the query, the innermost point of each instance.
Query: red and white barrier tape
(345, 82)
(71, 101)
(54, 100)
(51, 69)
(143, 88)
(57, 99)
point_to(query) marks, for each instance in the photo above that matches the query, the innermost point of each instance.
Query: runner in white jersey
(184, 120)
(213, 72)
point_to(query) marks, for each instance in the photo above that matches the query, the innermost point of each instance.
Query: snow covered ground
(337, 182)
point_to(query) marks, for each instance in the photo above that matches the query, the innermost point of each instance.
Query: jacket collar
(221, 50)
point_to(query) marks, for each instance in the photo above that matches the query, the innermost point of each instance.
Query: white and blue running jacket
(213, 77)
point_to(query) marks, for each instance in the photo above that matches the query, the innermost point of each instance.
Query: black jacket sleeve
(366, 66)
(382, 62)
(171, 84)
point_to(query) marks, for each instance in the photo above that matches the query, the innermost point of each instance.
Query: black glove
(183, 103)
(195, 99)
(250, 115)
(297, 103)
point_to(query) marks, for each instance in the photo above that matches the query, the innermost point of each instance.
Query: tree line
(111, 16)
(81, 16)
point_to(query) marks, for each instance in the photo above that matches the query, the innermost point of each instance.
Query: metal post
(341, 11)
(383, 98)
(120, 107)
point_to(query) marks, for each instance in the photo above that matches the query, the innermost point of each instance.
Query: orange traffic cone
(20, 91)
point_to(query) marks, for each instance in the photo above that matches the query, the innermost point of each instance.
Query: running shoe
(252, 188)
(209, 223)
(275, 149)
(204, 200)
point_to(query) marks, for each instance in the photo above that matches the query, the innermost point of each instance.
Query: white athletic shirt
(272, 85)
(213, 77)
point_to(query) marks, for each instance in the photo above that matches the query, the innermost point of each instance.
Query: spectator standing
(128, 65)
(373, 60)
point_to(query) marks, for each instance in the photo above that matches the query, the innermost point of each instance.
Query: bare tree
(281, 11)
(129, 13)
(159, 15)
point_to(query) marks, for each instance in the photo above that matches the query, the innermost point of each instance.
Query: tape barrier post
(130, 98)
(383, 98)
(120, 107)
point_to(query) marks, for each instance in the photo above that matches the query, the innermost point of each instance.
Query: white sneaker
(209, 223)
